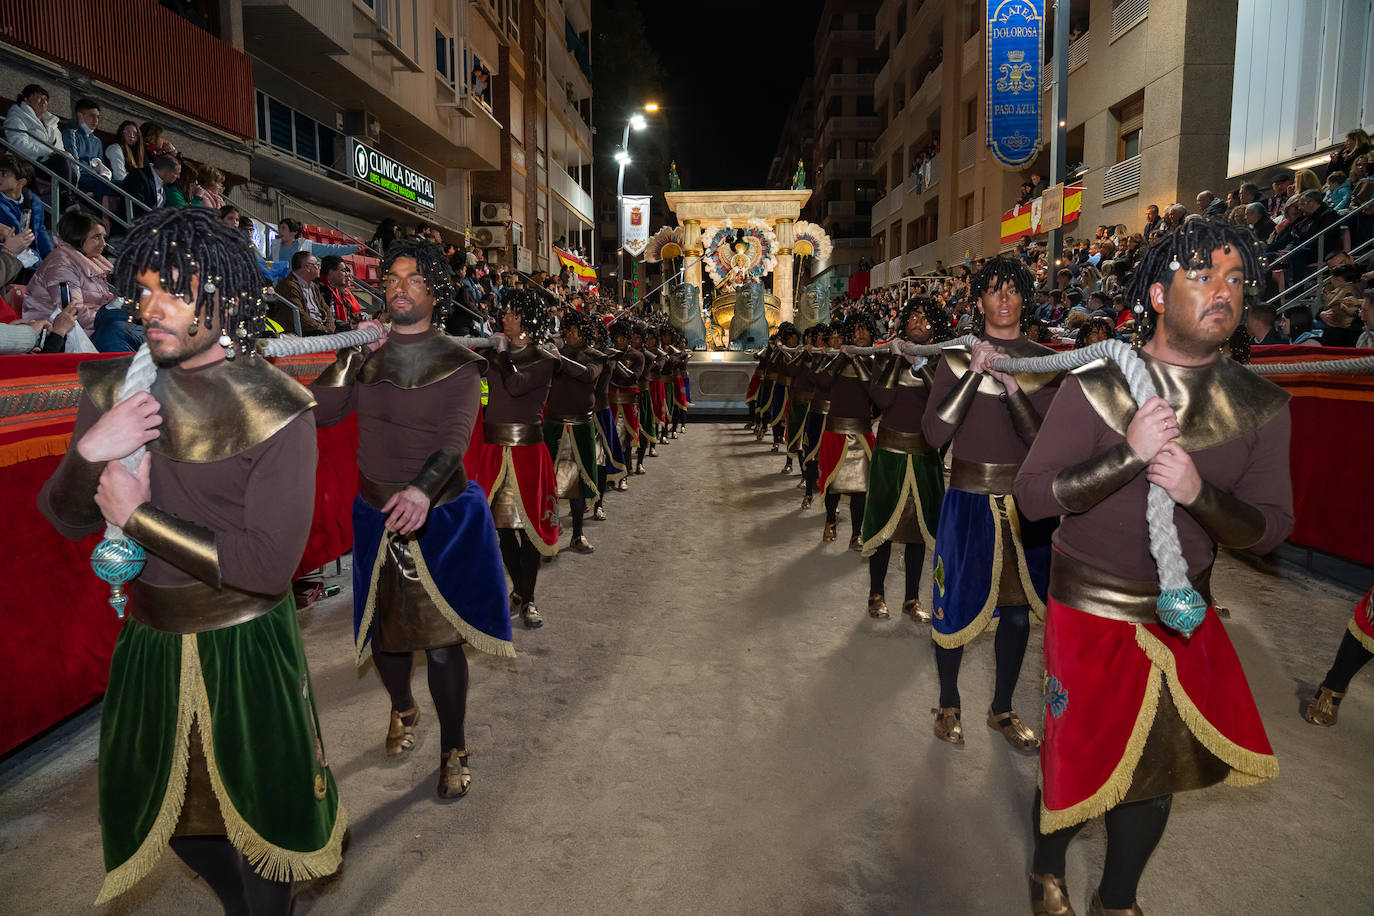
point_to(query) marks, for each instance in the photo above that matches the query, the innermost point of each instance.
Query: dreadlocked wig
(586, 325)
(937, 316)
(432, 265)
(534, 317)
(786, 330)
(1189, 246)
(188, 242)
(992, 276)
(855, 321)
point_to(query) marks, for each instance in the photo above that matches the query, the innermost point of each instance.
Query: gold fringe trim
(492, 645)
(782, 412)
(868, 453)
(508, 469)
(909, 488)
(1364, 638)
(361, 648)
(980, 622)
(1022, 570)
(1110, 794)
(795, 445)
(618, 468)
(588, 479)
(1249, 764)
(273, 862)
(133, 869)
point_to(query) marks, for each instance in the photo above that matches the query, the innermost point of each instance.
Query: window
(1130, 118)
(295, 133)
(867, 22)
(478, 77)
(513, 19)
(870, 64)
(863, 149)
(835, 107)
(966, 211)
(863, 106)
(443, 58)
(1129, 146)
(970, 116)
(866, 192)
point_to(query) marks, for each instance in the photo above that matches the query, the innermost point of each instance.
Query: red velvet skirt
(1362, 624)
(629, 413)
(830, 457)
(754, 381)
(1104, 684)
(530, 469)
(658, 396)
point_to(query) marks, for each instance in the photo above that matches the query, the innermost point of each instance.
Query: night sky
(725, 127)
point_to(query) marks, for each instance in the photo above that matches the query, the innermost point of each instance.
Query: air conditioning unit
(495, 213)
(363, 124)
(488, 236)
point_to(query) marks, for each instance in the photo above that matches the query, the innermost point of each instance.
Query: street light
(622, 156)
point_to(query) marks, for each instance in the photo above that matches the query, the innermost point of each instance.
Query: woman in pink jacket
(78, 261)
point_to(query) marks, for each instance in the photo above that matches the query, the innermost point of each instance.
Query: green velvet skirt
(246, 689)
(648, 423)
(896, 480)
(584, 452)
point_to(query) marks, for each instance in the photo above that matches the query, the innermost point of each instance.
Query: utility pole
(1059, 106)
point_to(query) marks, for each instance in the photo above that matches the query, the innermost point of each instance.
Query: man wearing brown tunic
(1136, 711)
(208, 735)
(426, 566)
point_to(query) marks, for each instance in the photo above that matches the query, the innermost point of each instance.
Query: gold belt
(195, 608)
(513, 433)
(376, 494)
(581, 419)
(894, 440)
(848, 425)
(624, 396)
(982, 477)
(820, 405)
(1100, 593)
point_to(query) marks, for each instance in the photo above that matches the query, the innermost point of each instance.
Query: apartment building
(1149, 100)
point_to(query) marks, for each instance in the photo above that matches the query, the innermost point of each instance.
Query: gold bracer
(72, 493)
(982, 477)
(186, 545)
(195, 608)
(212, 413)
(1230, 521)
(1025, 419)
(1087, 483)
(344, 370)
(438, 469)
(960, 398)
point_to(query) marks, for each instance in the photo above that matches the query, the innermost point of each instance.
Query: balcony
(929, 90)
(854, 82)
(967, 242)
(840, 209)
(1127, 14)
(1122, 180)
(968, 148)
(973, 51)
(126, 46)
(921, 261)
(577, 200)
(1078, 56)
(883, 81)
(888, 206)
(847, 168)
(923, 178)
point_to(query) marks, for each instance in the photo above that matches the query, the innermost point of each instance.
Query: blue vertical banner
(1015, 54)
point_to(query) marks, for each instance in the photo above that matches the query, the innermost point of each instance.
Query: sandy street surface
(710, 723)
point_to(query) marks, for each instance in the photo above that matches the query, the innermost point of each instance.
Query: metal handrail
(1319, 238)
(129, 199)
(59, 181)
(1313, 280)
(295, 312)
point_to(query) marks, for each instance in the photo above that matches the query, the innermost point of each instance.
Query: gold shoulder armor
(418, 365)
(102, 379)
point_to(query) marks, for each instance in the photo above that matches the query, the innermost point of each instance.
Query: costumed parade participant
(988, 557)
(570, 422)
(906, 479)
(657, 386)
(760, 389)
(846, 445)
(1137, 711)
(680, 386)
(813, 424)
(793, 366)
(509, 458)
(802, 391)
(1354, 652)
(612, 463)
(625, 380)
(426, 564)
(775, 410)
(209, 739)
(644, 384)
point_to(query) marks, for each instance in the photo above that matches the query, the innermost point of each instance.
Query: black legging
(522, 560)
(914, 556)
(1009, 647)
(857, 501)
(579, 511)
(600, 486)
(811, 474)
(448, 687)
(241, 891)
(1350, 658)
(1133, 831)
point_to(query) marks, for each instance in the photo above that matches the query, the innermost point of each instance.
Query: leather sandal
(947, 725)
(1100, 910)
(454, 776)
(912, 608)
(1054, 896)
(1016, 732)
(1323, 708)
(829, 534)
(400, 737)
(877, 607)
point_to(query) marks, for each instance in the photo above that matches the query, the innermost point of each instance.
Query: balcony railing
(143, 48)
(1078, 56)
(565, 187)
(924, 176)
(1127, 14)
(1121, 180)
(849, 168)
(973, 51)
(968, 148)
(840, 209)
(968, 240)
(929, 90)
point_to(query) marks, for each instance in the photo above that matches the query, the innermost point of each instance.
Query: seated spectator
(1259, 322)
(1232, 199)
(78, 261)
(229, 215)
(1257, 218)
(1174, 214)
(1236, 215)
(299, 288)
(1357, 143)
(21, 335)
(1208, 204)
(116, 331)
(186, 188)
(289, 243)
(1341, 326)
(1295, 323)
(151, 185)
(32, 130)
(1306, 180)
(1281, 187)
(21, 209)
(1317, 232)
(1249, 193)
(1095, 330)
(1338, 191)
(81, 143)
(211, 188)
(126, 153)
(334, 276)
(1366, 340)
(154, 142)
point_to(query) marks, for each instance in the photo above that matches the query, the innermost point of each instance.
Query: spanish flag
(581, 268)
(1024, 219)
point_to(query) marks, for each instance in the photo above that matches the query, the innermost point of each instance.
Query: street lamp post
(622, 156)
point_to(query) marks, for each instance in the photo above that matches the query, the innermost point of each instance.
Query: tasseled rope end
(1181, 610)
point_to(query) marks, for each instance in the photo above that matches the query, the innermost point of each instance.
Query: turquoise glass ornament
(1181, 610)
(116, 561)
